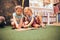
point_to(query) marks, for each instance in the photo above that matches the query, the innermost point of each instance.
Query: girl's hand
(25, 26)
(18, 26)
(26, 22)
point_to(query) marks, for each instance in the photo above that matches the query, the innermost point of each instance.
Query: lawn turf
(50, 33)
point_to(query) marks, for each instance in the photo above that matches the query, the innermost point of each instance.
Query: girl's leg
(36, 25)
(13, 25)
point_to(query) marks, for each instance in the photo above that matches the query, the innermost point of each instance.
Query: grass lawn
(50, 33)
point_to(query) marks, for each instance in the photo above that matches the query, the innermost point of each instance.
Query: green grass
(50, 33)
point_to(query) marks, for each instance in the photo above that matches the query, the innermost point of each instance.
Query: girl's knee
(12, 23)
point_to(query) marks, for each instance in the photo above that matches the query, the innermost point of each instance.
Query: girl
(17, 17)
(32, 19)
